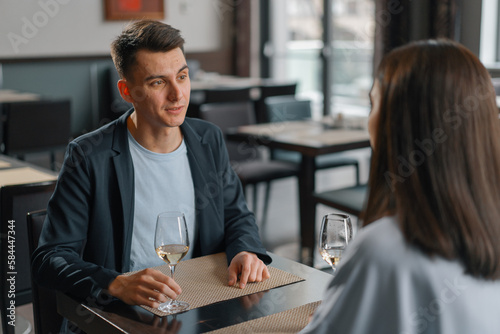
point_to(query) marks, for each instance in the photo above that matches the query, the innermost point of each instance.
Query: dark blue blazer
(86, 239)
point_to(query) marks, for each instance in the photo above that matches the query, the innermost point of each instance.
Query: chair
(245, 158)
(271, 89)
(288, 108)
(36, 126)
(217, 95)
(227, 94)
(350, 199)
(15, 201)
(47, 319)
(496, 85)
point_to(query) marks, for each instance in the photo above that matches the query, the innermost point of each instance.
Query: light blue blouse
(384, 285)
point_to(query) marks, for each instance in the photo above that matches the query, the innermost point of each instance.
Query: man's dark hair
(143, 35)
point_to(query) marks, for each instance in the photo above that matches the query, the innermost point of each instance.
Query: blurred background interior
(58, 52)
(54, 61)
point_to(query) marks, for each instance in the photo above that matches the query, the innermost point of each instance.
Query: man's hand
(147, 287)
(248, 267)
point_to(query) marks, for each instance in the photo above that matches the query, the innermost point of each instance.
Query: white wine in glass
(335, 234)
(171, 245)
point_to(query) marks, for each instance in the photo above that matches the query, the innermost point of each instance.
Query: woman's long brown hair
(436, 160)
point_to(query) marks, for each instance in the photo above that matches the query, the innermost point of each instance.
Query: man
(115, 180)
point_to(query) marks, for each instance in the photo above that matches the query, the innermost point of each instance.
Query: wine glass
(171, 245)
(335, 234)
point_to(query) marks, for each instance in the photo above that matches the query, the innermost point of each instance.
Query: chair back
(15, 201)
(496, 85)
(46, 318)
(287, 108)
(229, 115)
(216, 95)
(268, 90)
(227, 94)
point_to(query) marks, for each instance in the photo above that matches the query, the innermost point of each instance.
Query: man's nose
(175, 92)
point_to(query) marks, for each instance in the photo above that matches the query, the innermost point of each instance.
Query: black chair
(15, 202)
(288, 108)
(36, 126)
(47, 319)
(227, 94)
(217, 95)
(246, 158)
(349, 199)
(268, 89)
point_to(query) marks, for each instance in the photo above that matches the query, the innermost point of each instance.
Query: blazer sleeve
(57, 262)
(241, 231)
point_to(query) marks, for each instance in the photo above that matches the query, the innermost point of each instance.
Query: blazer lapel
(124, 169)
(203, 173)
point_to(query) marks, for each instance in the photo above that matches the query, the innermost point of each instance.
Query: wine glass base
(173, 307)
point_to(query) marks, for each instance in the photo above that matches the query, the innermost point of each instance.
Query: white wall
(47, 28)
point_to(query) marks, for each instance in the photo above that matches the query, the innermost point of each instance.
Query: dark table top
(310, 138)
(117, 317)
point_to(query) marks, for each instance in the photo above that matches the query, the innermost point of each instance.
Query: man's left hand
(248, 267)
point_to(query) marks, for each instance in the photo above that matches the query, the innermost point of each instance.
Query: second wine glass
(335, 234)
(171, 245)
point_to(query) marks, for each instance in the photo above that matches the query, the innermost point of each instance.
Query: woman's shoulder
(379, 239)
(381, 246)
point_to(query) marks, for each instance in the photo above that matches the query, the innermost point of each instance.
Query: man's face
(159, 88)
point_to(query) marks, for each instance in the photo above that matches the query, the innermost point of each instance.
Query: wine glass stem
(172, 271)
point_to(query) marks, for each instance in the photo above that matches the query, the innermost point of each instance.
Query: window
(489, 51)
(297, 44)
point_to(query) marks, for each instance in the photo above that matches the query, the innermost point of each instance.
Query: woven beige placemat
(291, 321)
(204, 281)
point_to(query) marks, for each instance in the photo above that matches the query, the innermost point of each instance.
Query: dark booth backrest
(36, 126)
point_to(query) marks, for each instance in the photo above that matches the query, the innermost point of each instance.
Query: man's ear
(125, 91)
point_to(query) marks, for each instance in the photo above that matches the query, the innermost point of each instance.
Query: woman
(428, 260)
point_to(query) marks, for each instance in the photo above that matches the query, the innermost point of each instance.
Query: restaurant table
(9, 95)
(116, 317)
(23, 188)
(311, 139)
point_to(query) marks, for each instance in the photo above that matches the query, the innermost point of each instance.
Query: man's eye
(157, 82)
(183, 76)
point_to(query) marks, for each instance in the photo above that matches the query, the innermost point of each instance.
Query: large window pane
(353, 38)
(297, 43)
(490, 26)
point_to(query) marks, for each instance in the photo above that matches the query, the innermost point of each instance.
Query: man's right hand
(147, 287)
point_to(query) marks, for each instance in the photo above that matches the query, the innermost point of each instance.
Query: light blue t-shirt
(162, 183)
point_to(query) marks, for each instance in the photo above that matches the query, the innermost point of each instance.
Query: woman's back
(384, 285)
(435, 166)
